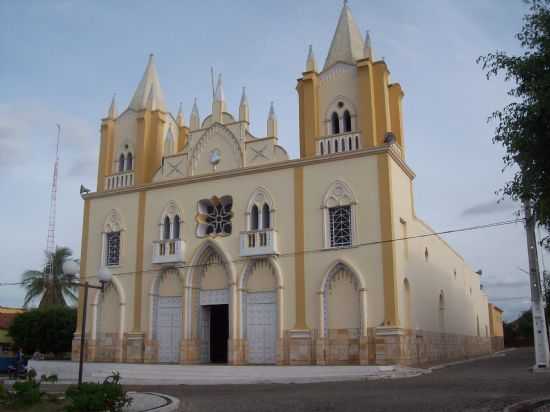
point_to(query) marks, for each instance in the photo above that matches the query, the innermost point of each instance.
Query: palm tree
(50, 283)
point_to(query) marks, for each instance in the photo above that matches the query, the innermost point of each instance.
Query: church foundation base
(300, 347)
(190, 352)
(134, 347)
(236, 351)
(151, 351)
(409, 347)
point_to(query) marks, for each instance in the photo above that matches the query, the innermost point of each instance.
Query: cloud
(28, 131)
(490, 207)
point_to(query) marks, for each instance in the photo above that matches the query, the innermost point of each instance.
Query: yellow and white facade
(225, 250)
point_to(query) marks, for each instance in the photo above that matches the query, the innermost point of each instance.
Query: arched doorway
(108, 323)
(167, 319)
(343, 319)
(210, 304)
(261, 295)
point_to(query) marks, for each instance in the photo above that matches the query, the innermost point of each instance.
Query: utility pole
(542, 355)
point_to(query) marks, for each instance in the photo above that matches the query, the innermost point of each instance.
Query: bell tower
(350, 104)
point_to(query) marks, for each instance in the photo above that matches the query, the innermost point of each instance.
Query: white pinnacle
(148, 94)
(347, 42)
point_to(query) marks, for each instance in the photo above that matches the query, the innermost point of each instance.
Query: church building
(225, 250)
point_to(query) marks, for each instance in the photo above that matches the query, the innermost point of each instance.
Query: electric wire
(310, 251)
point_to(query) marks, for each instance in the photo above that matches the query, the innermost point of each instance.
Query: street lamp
(70, 267)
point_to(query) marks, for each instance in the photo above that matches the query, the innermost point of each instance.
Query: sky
(62, 61)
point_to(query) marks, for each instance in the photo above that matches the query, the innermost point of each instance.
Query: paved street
(485, 385)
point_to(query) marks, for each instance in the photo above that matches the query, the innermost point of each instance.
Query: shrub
(27, 392)
(44, 330)
(92, 397)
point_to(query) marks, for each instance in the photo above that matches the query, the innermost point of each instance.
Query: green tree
(50, 283)
(523, 126)
(47, 330)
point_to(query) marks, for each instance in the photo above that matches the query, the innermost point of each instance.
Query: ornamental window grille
(214, 216)
(112, 257)
(340, 226)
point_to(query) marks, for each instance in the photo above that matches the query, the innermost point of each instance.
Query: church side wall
(443, 303)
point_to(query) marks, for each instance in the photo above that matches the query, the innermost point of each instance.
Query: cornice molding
(287, 164)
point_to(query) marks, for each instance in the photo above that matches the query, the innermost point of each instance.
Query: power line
(288, 254)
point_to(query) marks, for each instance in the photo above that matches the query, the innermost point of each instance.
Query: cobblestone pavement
(484, 385)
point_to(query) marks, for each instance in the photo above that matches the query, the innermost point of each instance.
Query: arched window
(254, 218)
(166, 228)
(347, 122)
(113, 239)
(121, 163)
(266, 218)
(129, 162)
(339, 216)
(335, 123)
(176, 227)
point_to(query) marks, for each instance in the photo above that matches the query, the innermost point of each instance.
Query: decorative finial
(112, 109)
(179, 118)
(244, 99)
(311, 65)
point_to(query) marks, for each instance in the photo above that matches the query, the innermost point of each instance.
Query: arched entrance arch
(108, 322)
(343, 315)
(210, 302)
(261, 305)
(165, 316)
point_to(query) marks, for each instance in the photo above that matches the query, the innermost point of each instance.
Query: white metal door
(204, 330)
(261, 327)
(169, 328)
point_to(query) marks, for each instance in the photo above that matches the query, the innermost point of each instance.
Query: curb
(527, 406)
(498, 354)
(171, 404)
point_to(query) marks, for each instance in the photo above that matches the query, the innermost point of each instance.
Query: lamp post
(104, 276)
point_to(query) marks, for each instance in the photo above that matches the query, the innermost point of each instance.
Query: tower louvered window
(340, 226)
(113, 249)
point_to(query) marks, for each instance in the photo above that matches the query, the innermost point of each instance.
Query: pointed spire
(347, 43)
(271, 122)
(194, 120)
(367, 50)
(179, 119)
(311, 65)
(243, 107)
(148, 94)
(169, 142)
(218, 105)
(112, 113)
(218, 95)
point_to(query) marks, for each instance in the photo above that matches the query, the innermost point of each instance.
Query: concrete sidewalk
(141, 374)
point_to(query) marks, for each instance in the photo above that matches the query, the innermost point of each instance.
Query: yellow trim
(366, 112)
(388, 252)
(308, 97)
(105, 153)
(141, 147)
(287, 164)
(83, 258)
(155, 144)
(299, 264)
(396, 113)
(381, 100)
(138, 279)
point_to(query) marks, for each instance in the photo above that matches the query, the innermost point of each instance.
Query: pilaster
(381, 100)
(106, 149)
(308, 96)
(366, 113)
(396, 114)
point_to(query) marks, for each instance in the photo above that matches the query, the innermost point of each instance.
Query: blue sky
(61, 62)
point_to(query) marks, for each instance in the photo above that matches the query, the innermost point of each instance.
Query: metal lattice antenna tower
(50, 243)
